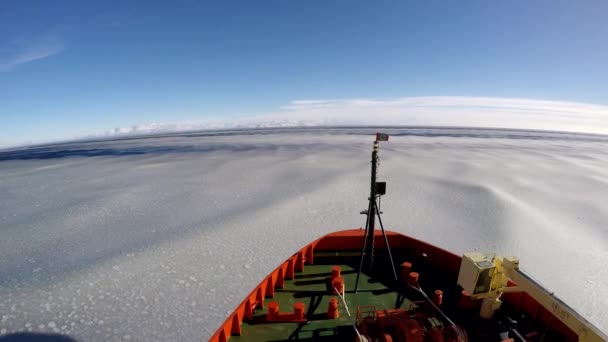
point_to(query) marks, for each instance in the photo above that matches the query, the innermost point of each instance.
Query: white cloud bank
(458, 111)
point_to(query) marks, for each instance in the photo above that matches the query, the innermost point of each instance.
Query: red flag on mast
(381, 137)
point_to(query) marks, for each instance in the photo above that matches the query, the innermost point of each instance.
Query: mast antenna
(377, 189)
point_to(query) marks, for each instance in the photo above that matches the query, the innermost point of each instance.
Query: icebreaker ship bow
(345, 286)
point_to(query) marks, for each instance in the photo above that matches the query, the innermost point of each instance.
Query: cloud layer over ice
(458, 111)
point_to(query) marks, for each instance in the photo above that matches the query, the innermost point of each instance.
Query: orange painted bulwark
(280, 279)
(236, 325)
(350, 239)
(290, 269)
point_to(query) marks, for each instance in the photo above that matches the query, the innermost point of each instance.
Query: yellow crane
(486, 277)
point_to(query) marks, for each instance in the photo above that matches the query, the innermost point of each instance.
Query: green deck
(310, 288)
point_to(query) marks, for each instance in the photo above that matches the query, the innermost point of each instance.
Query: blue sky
(73, 68)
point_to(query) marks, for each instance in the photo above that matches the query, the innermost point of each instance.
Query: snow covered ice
(159, 238)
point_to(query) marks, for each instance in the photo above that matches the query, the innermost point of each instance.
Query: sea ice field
(158, 238)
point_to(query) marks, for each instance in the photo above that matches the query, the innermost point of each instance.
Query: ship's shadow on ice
(36, 337)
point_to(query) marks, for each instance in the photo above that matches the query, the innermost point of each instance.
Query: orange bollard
(438, 297)
(335, 272)
(337, 283)
(332, 309)
(406, 268)
(273, 311)
(465, 299)
(412, 278)
(298, 310)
